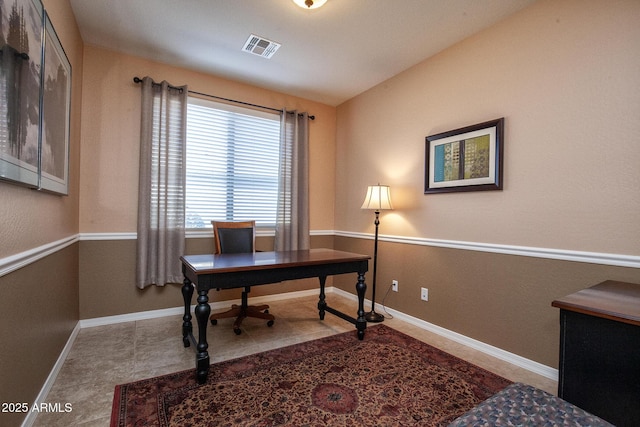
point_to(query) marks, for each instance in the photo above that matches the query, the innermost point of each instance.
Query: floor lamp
(378, 198)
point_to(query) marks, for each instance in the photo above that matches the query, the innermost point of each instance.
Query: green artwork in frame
(466, 159)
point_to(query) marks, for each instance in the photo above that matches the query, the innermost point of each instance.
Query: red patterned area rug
(388, 379)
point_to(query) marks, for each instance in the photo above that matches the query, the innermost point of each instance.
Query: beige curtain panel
(161, 191)
(292, 218)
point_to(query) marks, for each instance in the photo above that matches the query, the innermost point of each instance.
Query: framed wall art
(21, 27)
(35, 99)
(465, 159)
(56, 105)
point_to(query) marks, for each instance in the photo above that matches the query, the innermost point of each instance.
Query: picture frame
(56, 111)
(465, 159)
(20, 84)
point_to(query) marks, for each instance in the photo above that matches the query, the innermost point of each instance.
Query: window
(232, 164)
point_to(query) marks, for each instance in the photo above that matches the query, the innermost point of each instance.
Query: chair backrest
(234, 237)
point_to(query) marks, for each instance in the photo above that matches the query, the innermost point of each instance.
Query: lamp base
(374, 317)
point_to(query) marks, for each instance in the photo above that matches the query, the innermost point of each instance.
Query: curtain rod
(139, 80)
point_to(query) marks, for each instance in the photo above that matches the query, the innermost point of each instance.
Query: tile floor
(105, 356)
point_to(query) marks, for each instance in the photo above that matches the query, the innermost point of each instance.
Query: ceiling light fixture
(310, 4)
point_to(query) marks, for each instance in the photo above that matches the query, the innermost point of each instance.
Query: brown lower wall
(501, 300)
(39, 310)
(107, 278)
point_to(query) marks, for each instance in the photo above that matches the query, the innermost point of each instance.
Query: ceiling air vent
(260, 46)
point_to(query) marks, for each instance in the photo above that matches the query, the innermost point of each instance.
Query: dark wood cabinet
(600, 351)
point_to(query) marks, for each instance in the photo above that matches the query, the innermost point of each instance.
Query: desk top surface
(209, 263)
(619, 301)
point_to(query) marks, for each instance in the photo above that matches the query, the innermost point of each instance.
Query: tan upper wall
(111, 132)
(31, 218)
(566, 77)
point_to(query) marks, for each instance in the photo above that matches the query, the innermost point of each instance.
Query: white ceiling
(328, 55)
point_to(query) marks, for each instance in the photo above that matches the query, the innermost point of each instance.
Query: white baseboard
(51, 379)
(153, 314)
(498, 353)
(514, 359)
(132, 317)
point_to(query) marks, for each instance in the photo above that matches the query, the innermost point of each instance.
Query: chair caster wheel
(237, 331)
(270, 323)
(214, 322)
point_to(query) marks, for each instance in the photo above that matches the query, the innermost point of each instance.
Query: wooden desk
(600, 351)
(226, 271)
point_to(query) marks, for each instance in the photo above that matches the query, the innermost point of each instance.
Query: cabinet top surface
(613, 300)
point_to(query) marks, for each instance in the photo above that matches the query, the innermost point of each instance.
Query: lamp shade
(378, 198)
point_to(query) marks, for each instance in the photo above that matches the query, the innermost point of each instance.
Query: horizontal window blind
(232, 164)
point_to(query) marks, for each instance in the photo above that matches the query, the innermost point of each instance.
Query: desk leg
(322, 304)
(187, 328)
(203, 310)
(361, 323)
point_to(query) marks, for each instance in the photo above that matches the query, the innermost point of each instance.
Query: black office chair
(238, 237)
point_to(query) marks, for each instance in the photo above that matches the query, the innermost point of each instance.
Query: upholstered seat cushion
(524, 405)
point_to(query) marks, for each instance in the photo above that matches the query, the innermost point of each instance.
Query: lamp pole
(377, 198)
(372, 316)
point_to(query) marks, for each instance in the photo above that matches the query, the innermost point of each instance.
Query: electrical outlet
(394, 285)
(424, 294)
